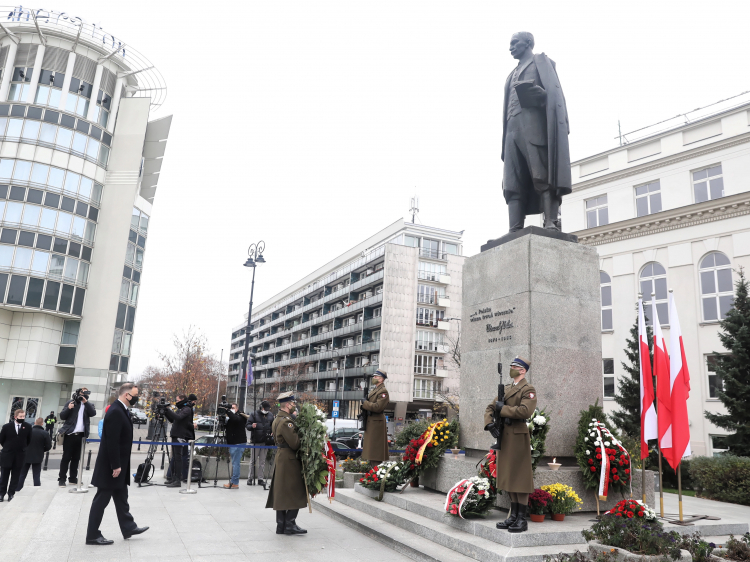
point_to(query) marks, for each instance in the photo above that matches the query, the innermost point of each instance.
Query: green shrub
(724, 478)
(579, 556)
(738, 549)
(356, 465)
(635, 535)
(697, 547)
(411, 431)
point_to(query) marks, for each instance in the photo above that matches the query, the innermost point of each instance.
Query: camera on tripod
(80, 394)
(223, 407)
(159, 406)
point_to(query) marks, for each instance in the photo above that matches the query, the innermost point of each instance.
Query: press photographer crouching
(76, 414)
(259, 425)
(235, 434)
(183, 430)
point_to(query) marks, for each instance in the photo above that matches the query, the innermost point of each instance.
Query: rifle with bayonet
(496, 427)
(363, 414)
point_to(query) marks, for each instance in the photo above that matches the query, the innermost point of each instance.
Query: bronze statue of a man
(535, 153)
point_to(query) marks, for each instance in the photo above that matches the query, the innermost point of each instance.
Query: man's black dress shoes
(136, 531)
(99, 541)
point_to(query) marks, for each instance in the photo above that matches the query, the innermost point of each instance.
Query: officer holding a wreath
(287, 494)
(375, 446)
(514, 472)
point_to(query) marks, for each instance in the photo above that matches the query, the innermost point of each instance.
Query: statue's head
(521, 42)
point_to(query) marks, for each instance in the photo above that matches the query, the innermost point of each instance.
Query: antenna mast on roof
(414, 208)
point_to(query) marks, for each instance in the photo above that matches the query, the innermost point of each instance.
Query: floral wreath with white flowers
(605, 463)
(471, 497)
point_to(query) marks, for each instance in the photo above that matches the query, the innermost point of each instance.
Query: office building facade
(79, 166)
(392, 302)
(669, 211)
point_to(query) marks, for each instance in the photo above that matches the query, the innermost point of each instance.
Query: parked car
(342, 450)
(138, 416)
(205, 424)
(343, 433)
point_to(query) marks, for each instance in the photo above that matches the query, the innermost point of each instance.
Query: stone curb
(595, 547)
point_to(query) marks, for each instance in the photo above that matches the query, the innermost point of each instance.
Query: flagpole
(679, 486)
(656, 408)
(640, 368)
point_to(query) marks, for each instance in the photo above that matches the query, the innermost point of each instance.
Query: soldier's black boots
(280, 521)
(511, 517)
(291, 527)
(520, 524)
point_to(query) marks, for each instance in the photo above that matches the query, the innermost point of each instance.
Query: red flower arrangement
(488, 469)
(632, 509)
(538, 501)
(601, 449)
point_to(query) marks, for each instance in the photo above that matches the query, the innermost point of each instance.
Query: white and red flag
(661, 372)
(676, 439)
(649, 429)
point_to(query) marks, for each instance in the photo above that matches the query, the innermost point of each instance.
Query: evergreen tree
(733, 369)
(628, 395)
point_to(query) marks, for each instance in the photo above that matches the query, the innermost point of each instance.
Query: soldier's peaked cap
(521, 363)
(285, 397)
(380, 373)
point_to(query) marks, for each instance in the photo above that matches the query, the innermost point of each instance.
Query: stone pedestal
(537, 297)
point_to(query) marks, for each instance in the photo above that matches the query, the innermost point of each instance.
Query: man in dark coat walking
(76, 414)
(41, 442)
(112, 470)
(535, 152)
(15, 437)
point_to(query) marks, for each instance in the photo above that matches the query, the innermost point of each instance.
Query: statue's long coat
(558, 150)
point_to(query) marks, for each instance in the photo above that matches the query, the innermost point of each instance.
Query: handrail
(43, 230)
(54, 146)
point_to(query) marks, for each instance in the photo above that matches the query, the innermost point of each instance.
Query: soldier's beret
(520, 363)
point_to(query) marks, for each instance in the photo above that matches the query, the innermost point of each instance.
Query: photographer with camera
(259, 425)
(235, 434)
(183, 430)
(76, 414)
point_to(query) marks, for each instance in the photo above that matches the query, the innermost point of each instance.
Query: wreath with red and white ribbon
(608, 461)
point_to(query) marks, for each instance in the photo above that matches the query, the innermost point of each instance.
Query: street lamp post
(255, 256)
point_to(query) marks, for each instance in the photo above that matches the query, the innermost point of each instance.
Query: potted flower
(564, 500)
(539, 501)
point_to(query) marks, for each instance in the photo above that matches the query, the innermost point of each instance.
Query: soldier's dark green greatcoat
(287, 486)
(514, 473)
(375, 446)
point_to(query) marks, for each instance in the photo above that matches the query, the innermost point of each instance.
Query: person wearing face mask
(375, 443)
(112, 469)
(287, 494)
(235, 434)
(183, 430)
(514, 472)
(259, 425)
(15, 437)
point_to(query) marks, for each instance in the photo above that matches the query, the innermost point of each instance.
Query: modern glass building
(79, 166)
(391, 302)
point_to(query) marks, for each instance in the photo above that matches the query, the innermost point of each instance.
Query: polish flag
(661, 371)
(677, 436)
(649, 428)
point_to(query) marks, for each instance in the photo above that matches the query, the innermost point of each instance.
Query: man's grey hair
(526, 36)
(127, 387)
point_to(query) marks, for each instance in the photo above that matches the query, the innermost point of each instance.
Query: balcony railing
(432, 254)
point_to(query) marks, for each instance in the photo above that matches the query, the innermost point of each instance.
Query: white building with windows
(392, 302)
(669, 211)
(79, 166)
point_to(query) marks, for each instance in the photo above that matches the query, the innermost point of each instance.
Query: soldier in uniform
(287, 494)
(375, 446)
(514, 472)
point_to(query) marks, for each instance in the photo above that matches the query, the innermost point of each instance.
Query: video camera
(80, 394)
(159, 405)
(223, 407)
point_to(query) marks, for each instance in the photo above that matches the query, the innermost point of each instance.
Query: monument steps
(423, 533)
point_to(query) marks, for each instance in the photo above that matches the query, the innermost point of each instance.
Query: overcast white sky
(309, 124)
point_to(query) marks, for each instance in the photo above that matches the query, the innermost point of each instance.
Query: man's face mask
(514, 373)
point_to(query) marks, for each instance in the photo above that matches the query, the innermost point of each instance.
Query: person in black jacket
(259, 425)
(15, 437)
(41, 442)
(50, 422)
(235, 434)
(112, 469)
(183, 430)
(76, 414)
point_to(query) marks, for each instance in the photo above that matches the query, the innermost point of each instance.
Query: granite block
(535, 297)
(595, 548)
(351, 478)
(549, 233)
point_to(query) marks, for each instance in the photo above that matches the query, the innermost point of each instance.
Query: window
(718, 444)
(716, 286)
(431, 271)
(79, 96)
(714, 381)
(427, 389)
(648, 199)
(376, 312)
(427, 294)
(429, 316)
(451, 249)
(375, 358)
(49, 90)
(20, 83)
(605, 284)
(608, 369)
(654, 280)
(596, 212)
(425, 364)
(708, 184)
(70, 332)
(412, 241)
(428, 341)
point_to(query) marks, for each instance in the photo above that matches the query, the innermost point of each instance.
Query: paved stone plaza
(49, 524)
